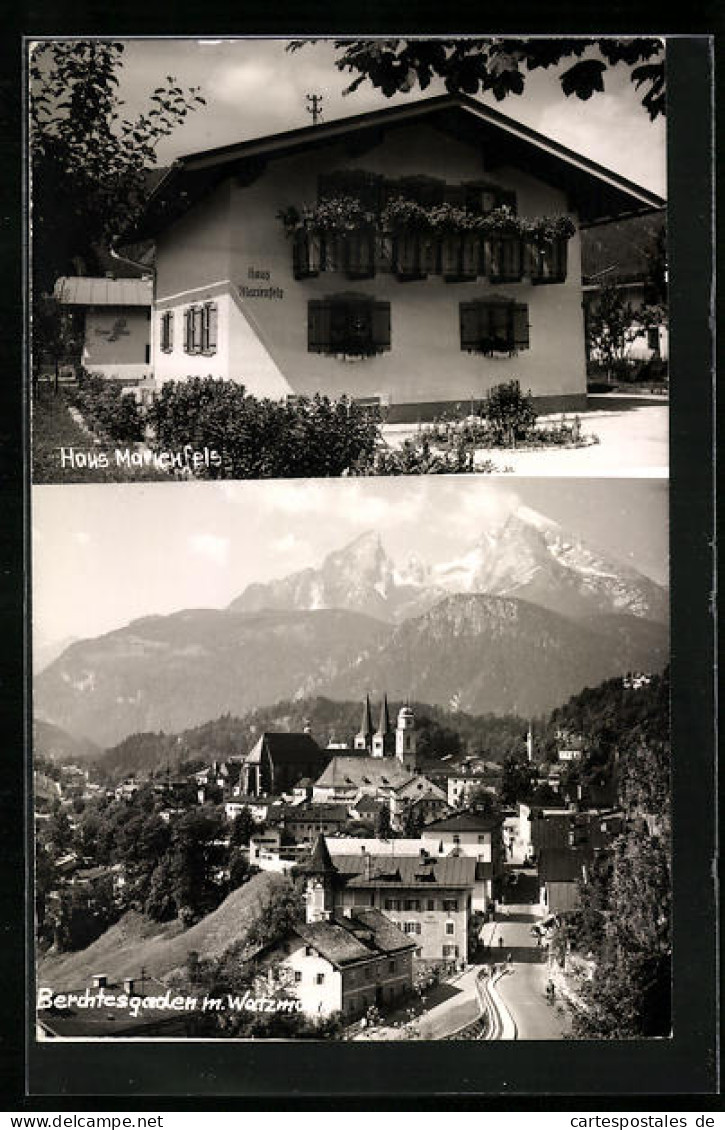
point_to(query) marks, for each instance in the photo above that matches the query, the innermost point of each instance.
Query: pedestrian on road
(509, 958)
(500, 941)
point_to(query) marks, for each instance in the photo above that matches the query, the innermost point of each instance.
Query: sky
(107, 554)
(254, 87)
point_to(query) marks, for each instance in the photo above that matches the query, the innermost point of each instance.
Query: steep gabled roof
(286, 749)
(598, 193)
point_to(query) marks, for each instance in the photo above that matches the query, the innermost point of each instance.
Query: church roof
(285, 749)
(357, 772)
(384, 726)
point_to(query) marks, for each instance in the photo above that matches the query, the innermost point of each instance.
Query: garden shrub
(509, 414)
(262, 438)
(106, 409)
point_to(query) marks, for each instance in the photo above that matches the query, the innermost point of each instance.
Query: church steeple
(383, 739)
(364, 739)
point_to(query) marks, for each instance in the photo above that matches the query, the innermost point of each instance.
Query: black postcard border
(279, 1075)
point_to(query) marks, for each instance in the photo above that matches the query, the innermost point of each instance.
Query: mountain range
(525, 618)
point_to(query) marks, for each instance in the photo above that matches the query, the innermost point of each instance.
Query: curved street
(522, 988)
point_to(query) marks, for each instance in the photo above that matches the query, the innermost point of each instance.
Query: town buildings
(412, 257)
(335, 961)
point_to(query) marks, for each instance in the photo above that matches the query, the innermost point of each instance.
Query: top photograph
(264, 258)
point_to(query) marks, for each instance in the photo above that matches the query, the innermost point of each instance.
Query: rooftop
(598, 193)
(76, 291)
(407, 871)
(351, 771)
(344, 941)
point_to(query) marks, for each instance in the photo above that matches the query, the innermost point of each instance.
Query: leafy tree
(284, 906)
(482, 801)
(196, 856)
(516, 781)
(500, 64)
(243, 826)
(58, 832)
(412, 823)
(383, 827)
(609, 328)
(89, 163)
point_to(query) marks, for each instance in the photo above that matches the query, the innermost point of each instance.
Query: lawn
(53, 428)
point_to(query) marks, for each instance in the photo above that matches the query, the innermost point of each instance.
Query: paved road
(452, 1014)
(523, 990)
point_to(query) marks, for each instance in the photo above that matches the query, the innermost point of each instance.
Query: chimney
(367, 865)
(128, 985)
(99, 980)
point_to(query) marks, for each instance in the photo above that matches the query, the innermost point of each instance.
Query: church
(381, 761)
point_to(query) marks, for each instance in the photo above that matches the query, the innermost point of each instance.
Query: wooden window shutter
(319, 323)
(380, 325)
(170, 330)
(470, 316)
(188, 331)
(197, 328)
(520, 326)
(361, 255)
(305, 255)
(451, 249)
(470, 255)
(212, 314)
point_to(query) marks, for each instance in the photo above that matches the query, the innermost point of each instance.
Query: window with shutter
(352, 325)
(494, 326)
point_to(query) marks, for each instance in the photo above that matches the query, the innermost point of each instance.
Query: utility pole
(315, 107)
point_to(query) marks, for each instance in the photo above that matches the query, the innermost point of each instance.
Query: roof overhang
(596, 193)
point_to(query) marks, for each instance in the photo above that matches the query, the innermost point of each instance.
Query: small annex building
(412, 257)
(116, 324)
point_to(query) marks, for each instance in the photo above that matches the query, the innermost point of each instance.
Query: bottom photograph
(352, 760)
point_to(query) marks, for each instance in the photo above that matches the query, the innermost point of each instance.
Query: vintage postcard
(350, 543)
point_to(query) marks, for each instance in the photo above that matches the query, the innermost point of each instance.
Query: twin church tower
(386, 741)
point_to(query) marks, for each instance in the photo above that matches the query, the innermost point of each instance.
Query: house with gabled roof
(335, 962)
(414, 257)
